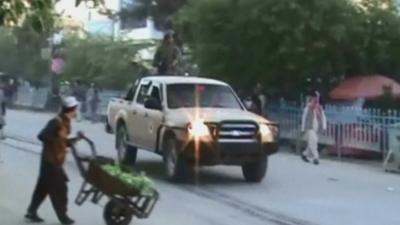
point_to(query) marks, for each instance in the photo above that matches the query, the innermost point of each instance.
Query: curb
(23, 140)
(28, 108)
(42, 110)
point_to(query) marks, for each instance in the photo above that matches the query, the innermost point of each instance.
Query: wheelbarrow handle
(89, 142)
(91, 145)
(81, 160)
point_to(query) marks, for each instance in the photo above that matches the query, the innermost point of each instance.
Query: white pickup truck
(191, 122)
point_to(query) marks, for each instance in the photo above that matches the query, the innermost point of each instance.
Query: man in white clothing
(312, 122)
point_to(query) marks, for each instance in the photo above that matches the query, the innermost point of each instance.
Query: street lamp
(90, 4)
(150, 7)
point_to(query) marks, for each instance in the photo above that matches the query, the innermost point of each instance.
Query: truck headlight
(265, 130)
(198, 129)
(266, 133)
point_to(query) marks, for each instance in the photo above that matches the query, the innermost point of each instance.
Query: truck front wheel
(126, 154)
(254, 172)
(177, 168)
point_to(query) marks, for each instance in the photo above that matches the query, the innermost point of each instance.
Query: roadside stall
(359, 131)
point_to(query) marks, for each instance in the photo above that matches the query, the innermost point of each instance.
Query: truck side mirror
(153, 103)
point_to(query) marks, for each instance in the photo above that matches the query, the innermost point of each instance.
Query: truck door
(153, 118)
(117, 104)
(136, 116)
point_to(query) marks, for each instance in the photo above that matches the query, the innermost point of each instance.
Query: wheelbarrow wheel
(116, 215)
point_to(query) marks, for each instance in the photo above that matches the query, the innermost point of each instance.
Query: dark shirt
(80, 93)
(54, 138)
(3, 108)
(165, 57)
(256, 104)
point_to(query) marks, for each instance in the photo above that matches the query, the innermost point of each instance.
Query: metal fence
(31, 97)
(350, 130)
(37, 98)
(105, 97)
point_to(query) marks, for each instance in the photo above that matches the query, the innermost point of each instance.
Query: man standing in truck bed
(167, 56)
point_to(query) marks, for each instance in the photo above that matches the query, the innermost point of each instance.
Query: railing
(348, 127)
(105, 97)
(31, 97)
(37, 98)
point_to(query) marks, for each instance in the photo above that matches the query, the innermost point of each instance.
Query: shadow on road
(205, 176)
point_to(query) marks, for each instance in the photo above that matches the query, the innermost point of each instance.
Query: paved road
(333, 193)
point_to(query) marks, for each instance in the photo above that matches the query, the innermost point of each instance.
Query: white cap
(70, 102)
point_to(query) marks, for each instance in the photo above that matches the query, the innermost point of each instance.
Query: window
(155, 93)
(143, 93)
(201, 95)
(132, 91)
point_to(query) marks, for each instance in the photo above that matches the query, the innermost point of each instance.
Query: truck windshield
(201, 95)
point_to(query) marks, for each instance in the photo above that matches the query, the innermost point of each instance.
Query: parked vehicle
(191, 121)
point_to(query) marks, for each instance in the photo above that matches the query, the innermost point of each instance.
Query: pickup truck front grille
(237, 132)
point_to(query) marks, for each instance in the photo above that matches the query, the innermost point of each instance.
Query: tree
(20, 52)
(41, 12)
(100, 60)
(8, 53)
(284, 42)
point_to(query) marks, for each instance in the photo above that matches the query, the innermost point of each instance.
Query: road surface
(294, 193)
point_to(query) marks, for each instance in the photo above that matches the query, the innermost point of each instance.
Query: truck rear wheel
(126, 154)
(177, 169)
(255, 172)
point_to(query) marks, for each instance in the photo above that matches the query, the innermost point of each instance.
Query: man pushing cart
(130, 195)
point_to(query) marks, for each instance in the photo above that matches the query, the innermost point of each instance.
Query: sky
(94, 22)
(81, 13)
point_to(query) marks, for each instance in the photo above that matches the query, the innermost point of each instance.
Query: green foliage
(40, 13)
(387, 102)
(100, 60)
(95, 59)
(284, 42)
(8, 52)
(20, 53)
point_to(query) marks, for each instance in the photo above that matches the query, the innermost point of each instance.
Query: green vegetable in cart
(137, 181)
